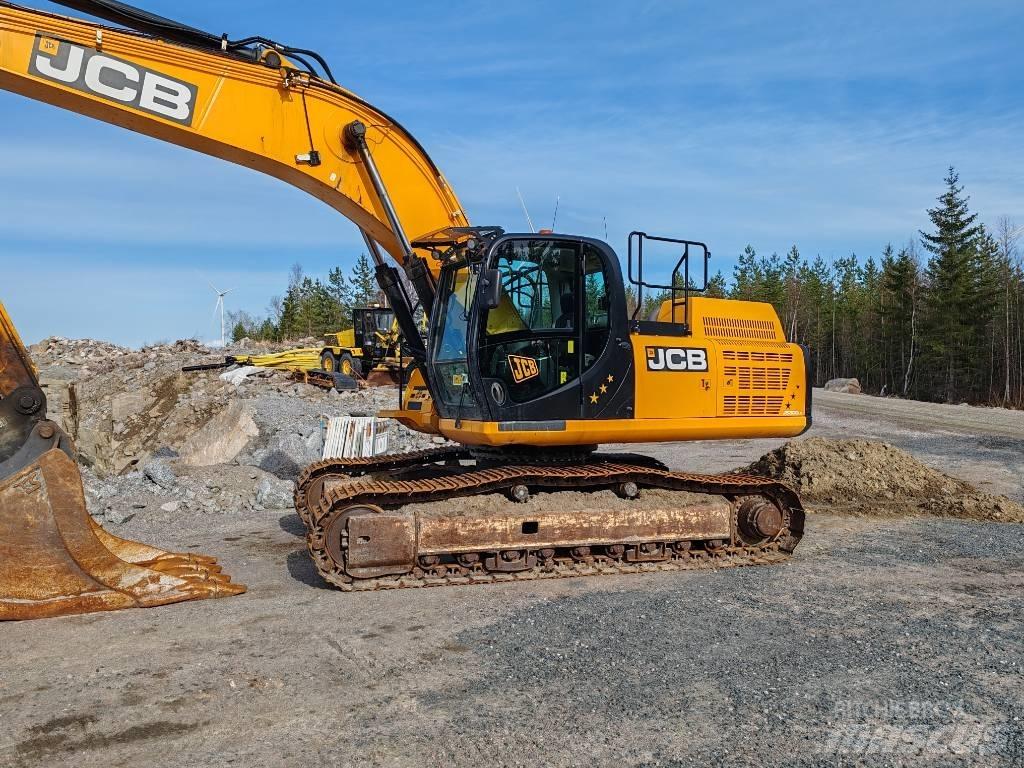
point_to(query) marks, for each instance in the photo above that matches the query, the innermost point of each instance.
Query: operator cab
(530, 328)
(371, 326)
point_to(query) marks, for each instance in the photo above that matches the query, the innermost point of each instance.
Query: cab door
(530, 351)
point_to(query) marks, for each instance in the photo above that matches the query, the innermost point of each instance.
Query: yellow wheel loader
(532, 358)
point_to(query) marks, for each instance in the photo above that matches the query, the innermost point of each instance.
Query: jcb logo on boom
(676, 359)
(113, 79)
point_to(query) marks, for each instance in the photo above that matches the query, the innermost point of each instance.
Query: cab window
(596, 306)
(531, 341)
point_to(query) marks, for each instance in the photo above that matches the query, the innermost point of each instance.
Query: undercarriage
(442, 517)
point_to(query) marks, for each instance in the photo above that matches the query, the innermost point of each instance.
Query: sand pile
(871, 478)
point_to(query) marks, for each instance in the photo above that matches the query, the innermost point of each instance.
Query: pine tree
(341, 291)
(716, 287)
(950, 320)
(901, 283)
(746, 276)
(364, 284)
(792, 290)
(986, 294)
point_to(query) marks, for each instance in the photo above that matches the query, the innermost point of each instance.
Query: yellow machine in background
(370, 349)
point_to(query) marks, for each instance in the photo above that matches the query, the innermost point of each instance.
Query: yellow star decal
(610, 378)
(594, 398)
(604, 388)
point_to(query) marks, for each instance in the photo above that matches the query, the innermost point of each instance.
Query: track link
(310, 480)
(329, 516)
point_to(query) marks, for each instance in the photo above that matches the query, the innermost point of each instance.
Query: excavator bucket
(55, 560)
(382, 377)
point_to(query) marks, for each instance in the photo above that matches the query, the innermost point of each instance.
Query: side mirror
(491, 288)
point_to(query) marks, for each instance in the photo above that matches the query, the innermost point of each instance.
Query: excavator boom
(250, 106)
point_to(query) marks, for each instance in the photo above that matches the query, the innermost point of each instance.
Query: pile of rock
(56, 350)
(156, 439)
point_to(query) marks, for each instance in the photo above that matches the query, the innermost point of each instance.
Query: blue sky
(822, 124)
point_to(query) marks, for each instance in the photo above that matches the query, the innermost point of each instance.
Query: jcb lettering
(523, 368)
(676, 359)
(102, 65)
(113, 79)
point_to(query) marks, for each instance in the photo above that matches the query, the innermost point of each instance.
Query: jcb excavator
(532, 358)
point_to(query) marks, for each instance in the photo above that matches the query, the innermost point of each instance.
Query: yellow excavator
(532, 357)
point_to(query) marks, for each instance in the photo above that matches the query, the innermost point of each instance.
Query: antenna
(523, 203)
(605, 220)
(219, 306)
(555, 217)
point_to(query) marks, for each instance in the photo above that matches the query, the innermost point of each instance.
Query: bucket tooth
(55, 560)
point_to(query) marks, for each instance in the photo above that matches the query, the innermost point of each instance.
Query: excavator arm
(246, 102)
(251, 102)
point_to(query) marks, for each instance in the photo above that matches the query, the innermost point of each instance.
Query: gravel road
(883, 642)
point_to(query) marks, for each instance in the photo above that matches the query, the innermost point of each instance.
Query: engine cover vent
(751, 405)
(757, 356)
(740, 328)
(756, 377)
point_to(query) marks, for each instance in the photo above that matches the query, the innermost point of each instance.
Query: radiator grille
(757, 356)
(749, 377)
(739, 328)
(751, 405)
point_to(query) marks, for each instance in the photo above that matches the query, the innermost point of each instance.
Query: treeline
(311, 307)
(941, 318)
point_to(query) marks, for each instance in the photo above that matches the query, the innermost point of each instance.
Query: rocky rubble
(156, 440)
(872, 478)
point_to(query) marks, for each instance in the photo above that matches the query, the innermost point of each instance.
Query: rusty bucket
(55, 560)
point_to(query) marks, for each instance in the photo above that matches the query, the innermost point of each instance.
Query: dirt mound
(871, 478)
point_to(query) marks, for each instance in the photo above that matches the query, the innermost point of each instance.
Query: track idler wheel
(758, 521)
(366, 542)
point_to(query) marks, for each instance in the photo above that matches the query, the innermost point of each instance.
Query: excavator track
(361, 535)
(310, 483)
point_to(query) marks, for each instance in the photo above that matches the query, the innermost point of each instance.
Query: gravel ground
(883, 642)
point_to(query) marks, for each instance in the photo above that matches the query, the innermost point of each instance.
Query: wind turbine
(220, 306)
